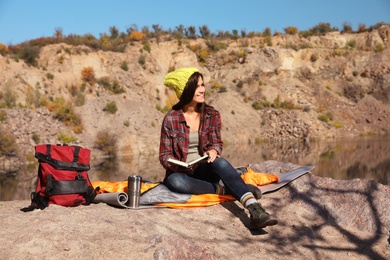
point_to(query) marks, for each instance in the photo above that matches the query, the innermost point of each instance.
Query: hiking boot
(255, 190)
(259, 217)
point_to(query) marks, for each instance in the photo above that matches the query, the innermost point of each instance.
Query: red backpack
(62, 177)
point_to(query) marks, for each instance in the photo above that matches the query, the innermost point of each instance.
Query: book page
(185, 164)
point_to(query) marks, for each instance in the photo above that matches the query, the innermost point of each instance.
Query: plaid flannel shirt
(175, 135)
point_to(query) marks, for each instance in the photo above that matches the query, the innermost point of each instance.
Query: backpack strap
(60, 165)
(37, 201)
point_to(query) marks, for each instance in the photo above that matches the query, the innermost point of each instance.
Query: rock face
(319, 218)
(298, 88)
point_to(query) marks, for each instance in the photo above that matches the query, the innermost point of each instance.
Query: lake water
(364, 158)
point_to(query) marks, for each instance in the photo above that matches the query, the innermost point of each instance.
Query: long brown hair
(189, 92)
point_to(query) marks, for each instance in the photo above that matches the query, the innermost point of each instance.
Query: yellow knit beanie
(178, 79)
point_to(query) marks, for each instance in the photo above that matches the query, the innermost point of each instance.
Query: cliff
(294, 88)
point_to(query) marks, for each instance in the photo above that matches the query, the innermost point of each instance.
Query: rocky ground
(319, 218)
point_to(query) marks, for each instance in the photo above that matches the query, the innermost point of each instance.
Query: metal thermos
(133, 190)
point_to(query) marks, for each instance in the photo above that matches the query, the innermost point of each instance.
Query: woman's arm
(215, 139)
(211, 139)
(165, 151)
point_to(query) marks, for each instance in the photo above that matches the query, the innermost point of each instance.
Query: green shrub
(36, 138)
(49, 76)
(337, 53)
(323, 118)
(361, 28)
(313, 57)
(29, 54)
(147, 47)
(306, 109)
(269, 41)
(258, 140)
(203, 55)
(83, 86)
(105, 82)
(337, 125)
(291, 30)
(305, 46)
(7, 143)
(8, 97)
(33, 97)
(142, 60)
(240, 84)
(215, 45)
(351, 44)
(222, 89)
(126, 123)
(163, 110)
(287, 105)
(347, 28)
(80, 99)
(116, 87)
(111, 107)
(262, 83)
(327, 155)
(379, 48)
(267, 32)
(257, 105)
(68, 51)
(64, 112)
(107, 143)
(277, 102)
(65, 138)
(267, 103)
(124, 66)
(3, 115)
(113, 87)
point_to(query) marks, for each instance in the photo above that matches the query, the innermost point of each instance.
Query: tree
(145, 30)
(291, 30)
(180, 29)
(267, 32)
(157, 31)
(235, 34)
(204, 31)
(191, 32)
(58, 33)
(114, 32)
(132, 28)
(347, 28)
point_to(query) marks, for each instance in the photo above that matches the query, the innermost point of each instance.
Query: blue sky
(22, 20)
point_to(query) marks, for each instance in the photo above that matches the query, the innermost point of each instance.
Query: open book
(187, 164)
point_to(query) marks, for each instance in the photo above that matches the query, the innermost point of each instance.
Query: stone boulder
(318, 218)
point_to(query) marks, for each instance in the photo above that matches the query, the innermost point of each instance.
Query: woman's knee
(221, 163)
(176, 182)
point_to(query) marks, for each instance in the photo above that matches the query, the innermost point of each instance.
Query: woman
(193, 129)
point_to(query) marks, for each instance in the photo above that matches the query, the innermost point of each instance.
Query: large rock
(318, 218)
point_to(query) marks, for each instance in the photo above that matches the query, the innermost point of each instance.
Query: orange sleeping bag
(202, 200)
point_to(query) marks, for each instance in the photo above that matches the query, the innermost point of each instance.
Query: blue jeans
(205, 179)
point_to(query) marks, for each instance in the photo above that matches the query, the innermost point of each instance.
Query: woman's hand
(212, 155)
